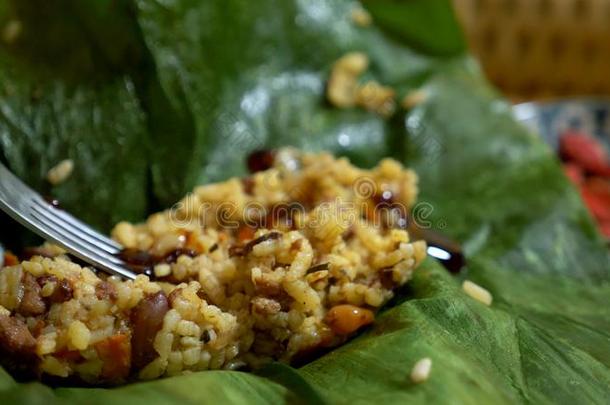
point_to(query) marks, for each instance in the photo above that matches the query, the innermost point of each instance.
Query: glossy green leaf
(60, 99)
(427, 25)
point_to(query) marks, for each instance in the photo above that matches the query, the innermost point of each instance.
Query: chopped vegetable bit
(10, 259)
(245, 233)
(115, 352)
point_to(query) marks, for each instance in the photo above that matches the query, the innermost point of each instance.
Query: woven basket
(534, 49)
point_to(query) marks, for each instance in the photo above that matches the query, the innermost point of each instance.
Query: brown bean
(15, 338)
(345, 319)
(139, 261)
(260, 160)
(146, 321)
(248, 185)
(32, 302)
(386, 277)
(63, 291)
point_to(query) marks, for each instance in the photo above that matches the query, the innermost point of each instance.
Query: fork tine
(95, 258)
(19, 185)
(8, 179)
(49, 233)
(73, 233)
(84, 229)
(29, 199)
(51, 213)
(52, 224)
(29, 209)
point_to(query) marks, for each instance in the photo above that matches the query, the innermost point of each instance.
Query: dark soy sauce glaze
(142, 262)
(448, 252)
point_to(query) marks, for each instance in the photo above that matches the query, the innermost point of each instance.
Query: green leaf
(74, 110)
(211, 81)
(427, 25)
(215, 387)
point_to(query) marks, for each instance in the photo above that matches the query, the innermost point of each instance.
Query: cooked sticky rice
(291, 260)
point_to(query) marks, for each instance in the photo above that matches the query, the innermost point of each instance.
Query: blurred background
(551, 59)
(540, 49)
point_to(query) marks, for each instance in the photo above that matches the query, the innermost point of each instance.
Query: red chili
(585, 151)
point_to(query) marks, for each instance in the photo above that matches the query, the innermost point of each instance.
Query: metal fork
(31, 210)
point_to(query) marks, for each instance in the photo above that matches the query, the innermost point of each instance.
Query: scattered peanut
(413, 99)
(60, 172)
(374, 97)
(12, 31)
(344, 91)
(343, 81)
(361, 17)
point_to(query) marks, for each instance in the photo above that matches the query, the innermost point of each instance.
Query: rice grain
(421, 370)
(61, 172)
(477, 292)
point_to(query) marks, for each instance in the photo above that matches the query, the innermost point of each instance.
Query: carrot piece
(72, 356)
(115, 352)
(346, 319)
(245, 233)
(10, 259)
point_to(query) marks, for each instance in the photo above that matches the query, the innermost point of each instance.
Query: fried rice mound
(292, 260)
